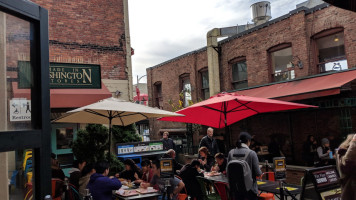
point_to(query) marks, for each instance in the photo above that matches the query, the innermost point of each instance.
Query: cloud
(161, 30)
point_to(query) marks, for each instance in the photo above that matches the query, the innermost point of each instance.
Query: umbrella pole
(227, 131)
(110, 133)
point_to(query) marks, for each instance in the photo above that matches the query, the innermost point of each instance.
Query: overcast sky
(164, 29)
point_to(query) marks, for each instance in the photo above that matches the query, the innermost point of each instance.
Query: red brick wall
(298, 30)
(88, 32)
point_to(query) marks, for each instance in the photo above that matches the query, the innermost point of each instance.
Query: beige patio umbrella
(113, 111)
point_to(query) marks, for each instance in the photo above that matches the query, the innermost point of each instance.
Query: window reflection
(64, 137)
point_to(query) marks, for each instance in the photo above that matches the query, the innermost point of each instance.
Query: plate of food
(127, 193)
(146, 190)
(213, 174)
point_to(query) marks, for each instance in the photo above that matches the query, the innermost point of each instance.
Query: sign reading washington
(63, 75)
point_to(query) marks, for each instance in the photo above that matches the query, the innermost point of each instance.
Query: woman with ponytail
(242, 149)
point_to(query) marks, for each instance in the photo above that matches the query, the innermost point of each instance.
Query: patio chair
(183, 195)
(203, 183)
(269, 176)
(265, 195)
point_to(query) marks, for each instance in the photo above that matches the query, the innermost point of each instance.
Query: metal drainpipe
(128, 49)
(213, 61)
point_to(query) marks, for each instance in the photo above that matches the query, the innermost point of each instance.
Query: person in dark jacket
(309, 151)
(172, 154)
(131, 172)
(167, 142)
(188, 173)
(209, 142)
(100, 186)
(206, 160)
(57, 172)
(75, 172)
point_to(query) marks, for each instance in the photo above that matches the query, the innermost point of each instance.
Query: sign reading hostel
(63, 75)
(20, 110)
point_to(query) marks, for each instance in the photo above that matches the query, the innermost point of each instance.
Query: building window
(330, 50)
(204, 74)
(281, 63)
(64, 137)
(239, 74)
(186, 90)
(158, 95)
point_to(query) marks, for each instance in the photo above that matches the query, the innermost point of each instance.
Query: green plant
(91, 145)
(124, 134)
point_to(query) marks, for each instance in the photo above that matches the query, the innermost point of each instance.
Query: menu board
(139, 147)
(321, 183)
(125, 149)
(156, 146)
(325, 177)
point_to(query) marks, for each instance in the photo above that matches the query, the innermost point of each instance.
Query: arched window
(158, 100)
(186, 89)
(280, 60)
(204, 79)
(330, 50)
(239, 73)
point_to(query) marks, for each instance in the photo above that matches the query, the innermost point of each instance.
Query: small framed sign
(279, 165)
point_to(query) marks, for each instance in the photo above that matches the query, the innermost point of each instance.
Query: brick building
(90, 59)
(306, 56)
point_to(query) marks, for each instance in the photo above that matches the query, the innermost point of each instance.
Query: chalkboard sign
(321, 183)
(326, 177)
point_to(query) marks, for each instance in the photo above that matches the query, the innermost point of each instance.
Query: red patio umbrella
(224, 109)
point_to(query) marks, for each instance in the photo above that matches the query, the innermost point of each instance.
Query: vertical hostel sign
(74, 76)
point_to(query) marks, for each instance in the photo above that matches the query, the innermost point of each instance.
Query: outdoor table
(273, 187)
(264, 186)
(218, 178)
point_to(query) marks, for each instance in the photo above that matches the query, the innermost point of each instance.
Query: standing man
(209, 142)
(167, 142)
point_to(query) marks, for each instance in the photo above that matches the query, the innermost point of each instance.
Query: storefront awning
(310, 87)
(67, 98)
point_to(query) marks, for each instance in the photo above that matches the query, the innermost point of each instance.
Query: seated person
(172, 154)
(206, 160)
(57, 172)
(147, 172)
(100, 186)
(173, 190)
(75, 172)
(131, 172)
(87, 171)
(220, 163)
(323, 153)
(188, 173)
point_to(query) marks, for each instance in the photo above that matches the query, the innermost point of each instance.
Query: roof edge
(283, 17)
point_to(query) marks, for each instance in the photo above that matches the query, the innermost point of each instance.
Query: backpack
(239, 172)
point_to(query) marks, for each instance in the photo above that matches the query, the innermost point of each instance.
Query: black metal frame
(39, 138)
